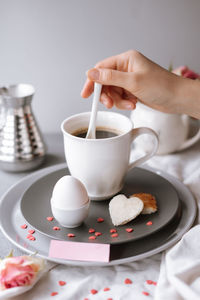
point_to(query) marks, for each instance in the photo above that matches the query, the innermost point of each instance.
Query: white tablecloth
(177, 277)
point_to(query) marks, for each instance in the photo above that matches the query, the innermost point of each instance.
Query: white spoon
(91, 134)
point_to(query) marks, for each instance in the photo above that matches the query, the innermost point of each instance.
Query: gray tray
(35, 207)
(11, 218)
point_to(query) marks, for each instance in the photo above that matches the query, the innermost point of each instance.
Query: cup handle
(137, 132)
(190, 141)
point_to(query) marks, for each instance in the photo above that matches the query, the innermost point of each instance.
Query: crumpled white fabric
(178, 275)
(180, 269)
(80, 281)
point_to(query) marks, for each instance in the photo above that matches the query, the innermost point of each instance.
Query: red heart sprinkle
(24, 226)
(54, 293)
(61, 283)
(128, 281)
(92, 237)
(93, 292)
(129, 229)
(98, 233)
(56, 228)
(149, 223)
(113, 230)
(49, 219)
(100, 220)
(154, 283)
(30, 237)
(149, 281)
(71, 235)
(145, 293)
(106, 289)
(31, 231)
(91, 230)
(86, 299)
(110, 299)
(114, 235)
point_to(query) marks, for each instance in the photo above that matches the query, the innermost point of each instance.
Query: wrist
(188, 97)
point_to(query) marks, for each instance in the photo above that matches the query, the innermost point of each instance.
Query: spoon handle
(91, 134)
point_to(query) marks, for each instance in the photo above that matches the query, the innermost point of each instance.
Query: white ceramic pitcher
(172, 129)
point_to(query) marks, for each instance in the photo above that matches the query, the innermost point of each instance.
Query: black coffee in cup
(101, 133)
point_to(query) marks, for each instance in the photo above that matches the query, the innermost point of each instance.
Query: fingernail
(129, 106)
(105, 102)
(93, 74)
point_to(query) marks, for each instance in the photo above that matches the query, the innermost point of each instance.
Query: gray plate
(35, 207)
(11, 219)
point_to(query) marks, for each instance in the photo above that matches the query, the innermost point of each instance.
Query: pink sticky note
(79, 251)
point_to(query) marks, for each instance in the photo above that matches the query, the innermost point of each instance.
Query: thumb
(111, 77)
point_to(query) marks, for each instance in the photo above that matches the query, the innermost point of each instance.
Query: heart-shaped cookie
(123, 210)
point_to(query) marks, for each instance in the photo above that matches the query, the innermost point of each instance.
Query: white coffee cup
(101, 164)
(172, 129)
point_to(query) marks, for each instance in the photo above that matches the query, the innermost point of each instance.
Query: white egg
(69, 193)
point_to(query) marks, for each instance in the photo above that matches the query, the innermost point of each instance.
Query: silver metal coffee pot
(21, 145)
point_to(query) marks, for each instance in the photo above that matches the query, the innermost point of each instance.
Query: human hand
(131, 76)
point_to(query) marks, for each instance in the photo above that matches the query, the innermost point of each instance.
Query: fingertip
(134, 103)
(133, 100)
(126, 105)
(87, 89)
(134, 106)
(129, 106)
(84, 94)
(106, 100)
(109, 104)
(93, 74)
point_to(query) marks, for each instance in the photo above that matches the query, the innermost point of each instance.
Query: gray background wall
(51, 43)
